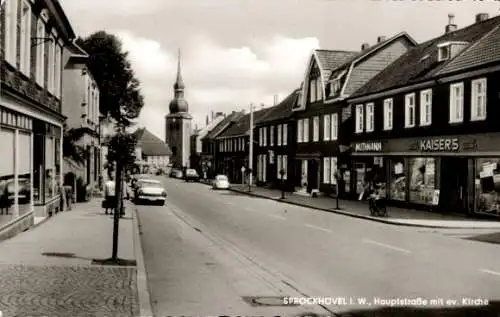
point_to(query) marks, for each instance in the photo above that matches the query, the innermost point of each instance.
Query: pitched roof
(330, 60)
(282, 110)
(242, 126)
(150, 144)
(224, 124)
(420, 63)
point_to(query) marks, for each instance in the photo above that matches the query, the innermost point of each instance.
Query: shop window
(7, 203)
(50, 168)
(24, 158)
(422, 180)
(398, 180)
(488, 185)
(326, 170)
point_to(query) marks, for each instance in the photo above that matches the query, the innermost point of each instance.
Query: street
(295, 251)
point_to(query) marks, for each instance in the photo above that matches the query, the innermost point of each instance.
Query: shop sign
(368, 147)
(439, 145)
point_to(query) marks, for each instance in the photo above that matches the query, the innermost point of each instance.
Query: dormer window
(444, 53)
(335, 87)
(449, 50)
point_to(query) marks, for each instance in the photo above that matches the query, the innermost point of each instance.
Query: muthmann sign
(368, 147)
(439, 145)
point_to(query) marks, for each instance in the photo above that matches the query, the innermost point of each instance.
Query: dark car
(191, 175)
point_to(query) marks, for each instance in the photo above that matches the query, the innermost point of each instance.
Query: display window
(397, 182)
(487, 185)
(422, 180)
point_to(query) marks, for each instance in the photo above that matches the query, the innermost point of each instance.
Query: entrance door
(312, 175)
(453, 191)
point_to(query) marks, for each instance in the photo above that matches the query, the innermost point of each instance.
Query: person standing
(109, 195)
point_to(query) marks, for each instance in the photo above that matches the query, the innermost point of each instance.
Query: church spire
(179, 84)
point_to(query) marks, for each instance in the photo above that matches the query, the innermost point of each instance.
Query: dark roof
(242, 126)
(219, 128)
(420, 63)
(331, 60)
(283, 110)
(150, 144)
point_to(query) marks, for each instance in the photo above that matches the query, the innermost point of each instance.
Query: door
(453, 191)
(312, 175)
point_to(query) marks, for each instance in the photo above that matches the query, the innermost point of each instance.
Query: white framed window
(285, 134)
(426, 107)
(50, 64)
(10, 36)
(264, 137)
(306, 130)
(319, 89)
(335, 126)
(370, 117)
(410, 110)
(300, 130)
(278, 166)
(261, 135)
(57, 79)
(333, 170)
(312, 90)
(40, 53)
(264, 168)
(388, 114)
(456, 102)
(335, 87)
(360, 119)
(315, 129)
(284, 166)
(478, 99)
(271, 135)
(327, 128)
(25, 50)
(279, 135)
(443, 53)
(326, 170)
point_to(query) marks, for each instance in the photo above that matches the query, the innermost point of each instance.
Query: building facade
(179, 125)
(198, 161)
(427, 126)
(33, 37)
(151, 152)
(80, 106)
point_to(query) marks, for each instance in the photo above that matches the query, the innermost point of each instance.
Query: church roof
(150, 144)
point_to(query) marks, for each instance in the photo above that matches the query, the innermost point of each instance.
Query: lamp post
(337, 177)
(250, 150)
(282, 174)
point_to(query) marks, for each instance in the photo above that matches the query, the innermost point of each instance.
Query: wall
(72, 92)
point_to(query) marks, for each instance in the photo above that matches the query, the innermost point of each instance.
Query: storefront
(459, 173)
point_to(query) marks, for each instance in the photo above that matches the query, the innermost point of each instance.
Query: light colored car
(221, 182)
(191, 175)
(150, 190)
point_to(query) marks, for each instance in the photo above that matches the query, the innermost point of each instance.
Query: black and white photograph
(302, 158)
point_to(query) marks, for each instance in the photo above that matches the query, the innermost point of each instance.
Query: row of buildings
(420, 118)
(46, 88)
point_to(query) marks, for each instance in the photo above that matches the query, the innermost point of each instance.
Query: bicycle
(377, 206)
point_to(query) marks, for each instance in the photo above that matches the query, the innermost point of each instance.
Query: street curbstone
(142, 278)
(354, 215)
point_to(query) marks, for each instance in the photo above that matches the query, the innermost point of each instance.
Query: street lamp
(282, 174)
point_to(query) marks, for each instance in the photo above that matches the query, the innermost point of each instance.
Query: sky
(238, 52)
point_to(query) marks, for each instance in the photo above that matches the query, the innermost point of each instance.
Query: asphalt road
(296, 250)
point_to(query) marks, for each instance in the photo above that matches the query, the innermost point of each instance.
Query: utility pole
(250, 151)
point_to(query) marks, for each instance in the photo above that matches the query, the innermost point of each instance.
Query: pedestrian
(68, 195)
(109, 201)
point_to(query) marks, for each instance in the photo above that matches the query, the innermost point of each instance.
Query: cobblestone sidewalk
(48, 270)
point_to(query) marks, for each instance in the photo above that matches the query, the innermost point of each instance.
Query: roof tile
(282, 110)
(242, 126)
(150, 144)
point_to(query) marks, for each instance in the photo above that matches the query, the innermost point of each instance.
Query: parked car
(175, 173)
(150, 190)
(221, 182)
(135, 178)
(192, 175)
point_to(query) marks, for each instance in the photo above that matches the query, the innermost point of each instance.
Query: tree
(71, 149)
(120, 101)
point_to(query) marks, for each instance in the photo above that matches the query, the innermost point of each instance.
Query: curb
(353, 215)
(142, 279)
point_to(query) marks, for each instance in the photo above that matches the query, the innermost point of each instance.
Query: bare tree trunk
(118, 208)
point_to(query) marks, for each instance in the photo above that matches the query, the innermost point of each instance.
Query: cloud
(217, 77)
(120, 7)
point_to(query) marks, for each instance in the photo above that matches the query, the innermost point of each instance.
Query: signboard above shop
(368, 147)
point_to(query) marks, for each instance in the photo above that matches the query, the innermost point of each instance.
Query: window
(335, 126)
(443, 53)
(333, 170)
(11, 31)
(312, 90)
(388, 114)
(50, 64)
(279, 135)
(319, 89)
(370, 117)
(278, 166)
(264, 137)
(261, 135)
(306, 130)
(359, 119)
(40, 53)
(300, 130)
(478, 99)
(25, 51)
(281, 163)
(285, 134)
(326, 170)
(327, 128)
(57, 78)
(335, 87)
(271, 135)
(316, 129)
(410, 110)
(456, 103)
(426, 107)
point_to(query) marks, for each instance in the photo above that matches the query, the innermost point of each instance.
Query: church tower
(178, 124)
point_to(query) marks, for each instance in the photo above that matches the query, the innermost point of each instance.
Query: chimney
(213, 116)
(206, 120)
(219, 114)
(365, 46)
(481, 17)
(451, 26)
(276, 100)
(380, 39)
